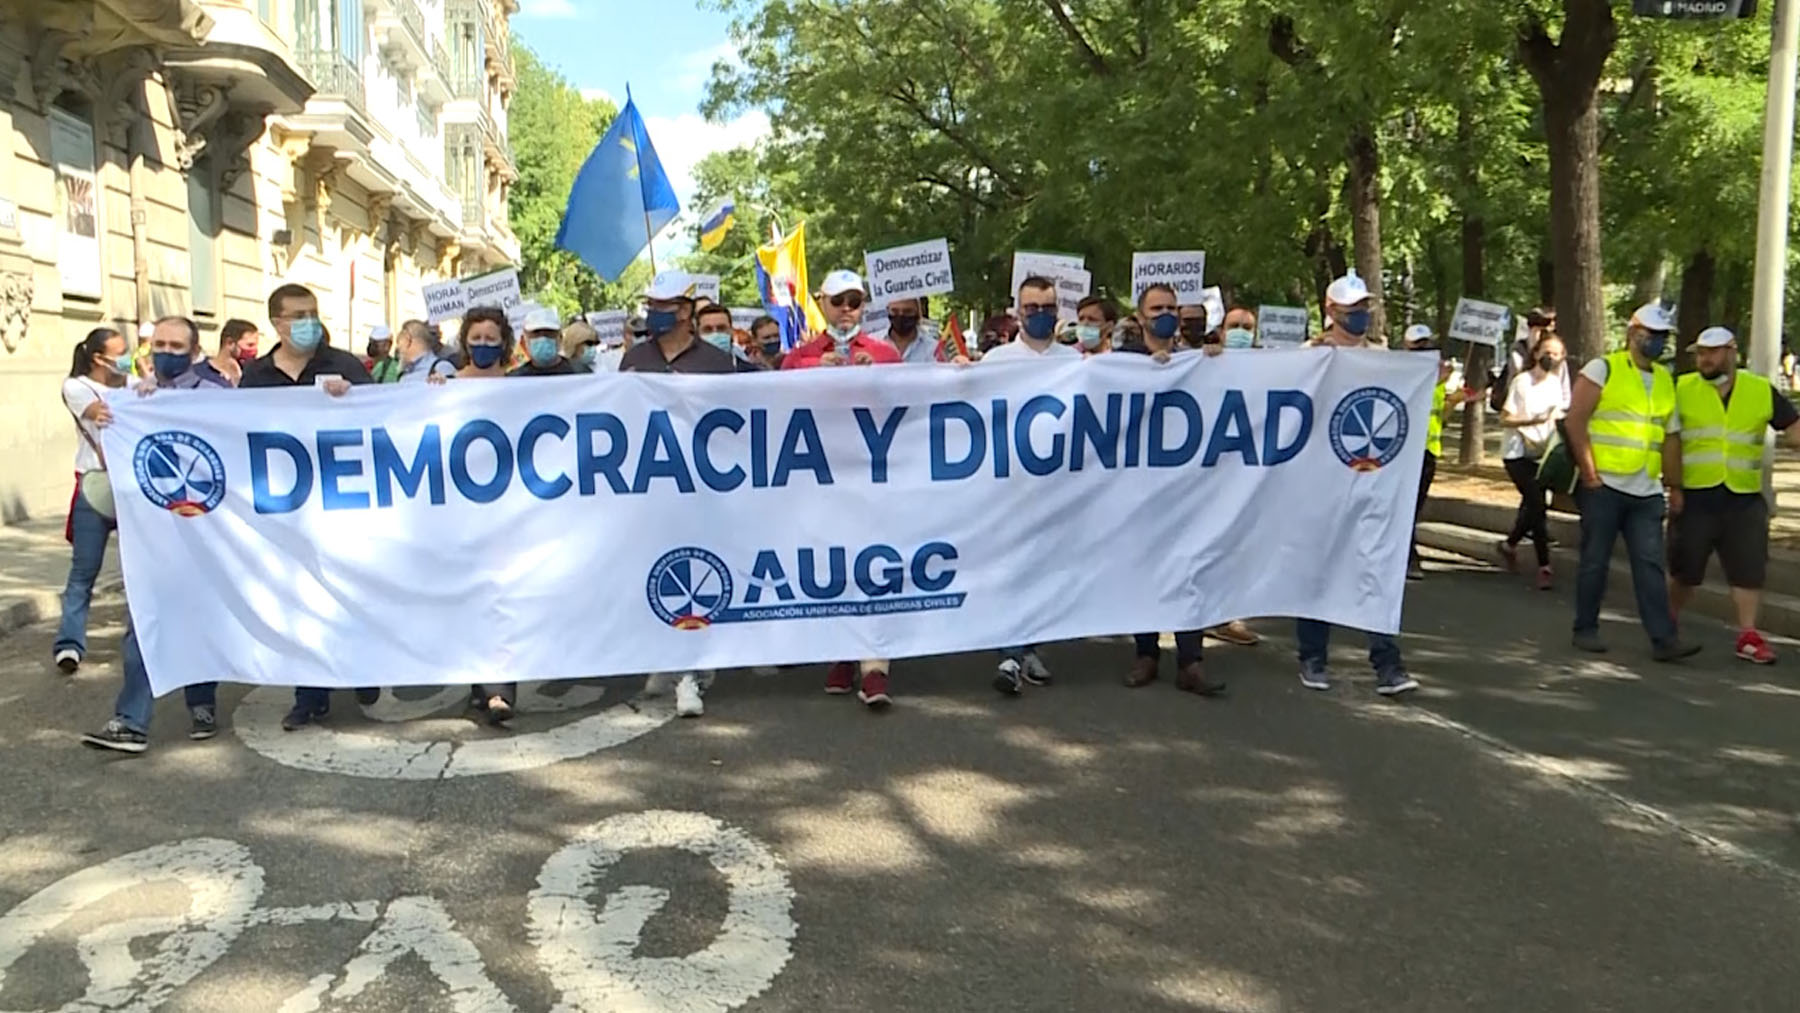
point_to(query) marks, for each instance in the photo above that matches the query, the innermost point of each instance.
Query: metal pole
(1766, 324)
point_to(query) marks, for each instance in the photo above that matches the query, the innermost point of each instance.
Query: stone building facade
(174, 156)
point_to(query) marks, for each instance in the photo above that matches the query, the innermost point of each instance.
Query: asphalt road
(1534, 831)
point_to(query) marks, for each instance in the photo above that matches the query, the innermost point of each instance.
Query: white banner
(445, 300)
(908, 272)
(1182, 270)
(409, 535)
(1282, 326)
(1483, 323)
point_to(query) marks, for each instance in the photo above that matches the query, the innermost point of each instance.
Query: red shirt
(807, 356)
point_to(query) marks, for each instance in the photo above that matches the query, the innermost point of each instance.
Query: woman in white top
(102, 361)
(1536, 399)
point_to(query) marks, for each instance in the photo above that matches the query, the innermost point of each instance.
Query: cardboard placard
(706, 286)
(609, 325)
(499, 289)
(1283, 326)
(1480, 323)
(445, 300)
(909, 272)
(1182, 270)
(743, 316)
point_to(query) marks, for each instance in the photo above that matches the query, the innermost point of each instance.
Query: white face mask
(1721, 381)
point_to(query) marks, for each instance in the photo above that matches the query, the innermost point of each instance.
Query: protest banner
(909, 272)
(1480, 323)
(499, 289)
(1296, 473)
(445, 300)
(1282, 326)
(1182, 270)
(609, 325)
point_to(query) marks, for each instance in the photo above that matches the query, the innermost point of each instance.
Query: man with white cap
(1419, 338)
(1718, 505)
(841, 298)
(1622, 424)
(1349, 315)
(378, 357)
(844, 344)
(543, 346)
(1347, 325)
(670, 345)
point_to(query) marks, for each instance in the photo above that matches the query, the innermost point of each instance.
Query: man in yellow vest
(1420, 339)
(1718, 504)
(1621, 423)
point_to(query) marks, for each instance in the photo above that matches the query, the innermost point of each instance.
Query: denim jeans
(1315, 645)
(1017, 653)
(1189, 646)
(90, 533)
(1426, 474)
(1606, 513)
(135, 700)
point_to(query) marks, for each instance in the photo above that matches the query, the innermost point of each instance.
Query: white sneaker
(659, 684)
(68, 660)
(1036, 672)
(687, 697)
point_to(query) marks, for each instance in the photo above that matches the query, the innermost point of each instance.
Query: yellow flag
(784, 263)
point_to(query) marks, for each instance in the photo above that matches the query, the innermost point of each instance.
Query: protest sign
(1182, 270)
(743, 316)
(609, 325)
(908, 272)
(497, 288)
(706, 286)
(1072, 286)
(1064, 269)
(1214, 301)
(1295, 475)
(1481, 323)
(445, 300)
(875, 320)
(1282, 326)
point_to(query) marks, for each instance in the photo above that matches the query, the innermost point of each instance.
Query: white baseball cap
(1418, 332)
(380, 332)
(839, 282)
(542, 318)
(1655, 316)
(1715, 337)
(1348, 290)
(145, 330)
(670, 285)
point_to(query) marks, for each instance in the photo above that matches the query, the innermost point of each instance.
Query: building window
(307, 26)
(78, 195)
(265, 9)
(203, 231)
(350, 29)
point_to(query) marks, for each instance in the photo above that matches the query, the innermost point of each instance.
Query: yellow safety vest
(1434, 433)
(1721, 443)
(1627, 428)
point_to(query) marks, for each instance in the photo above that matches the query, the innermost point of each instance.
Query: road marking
(590, 953)
(223, 885)
(375, 755)
(419, 926)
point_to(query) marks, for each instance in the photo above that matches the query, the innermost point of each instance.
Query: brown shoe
(1193, 679)
(1143, 673)
(1236, 633)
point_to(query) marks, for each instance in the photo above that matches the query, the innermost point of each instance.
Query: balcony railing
(440, 61)
(474, 213)
(413, 19)
(469, 83)
(334, 76)
(428, 121)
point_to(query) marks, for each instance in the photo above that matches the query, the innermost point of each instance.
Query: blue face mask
(306, 333)
(1238, 337)
(1357, 322)
(170, 365)
(660, 322)
(720, 340)
(1040, 325)
(484, 356)
(1165, 325)
(541, 350)
(1088, 335)
(587, 355)
(1655, 343)
(123, 364)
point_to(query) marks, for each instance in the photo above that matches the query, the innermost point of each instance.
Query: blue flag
(620, 199)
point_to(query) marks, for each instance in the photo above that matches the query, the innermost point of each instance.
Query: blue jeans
(1017, 653)
(1606, 513)
(1189, 646)
(135, 699)
(91, 532)
(1315, 645)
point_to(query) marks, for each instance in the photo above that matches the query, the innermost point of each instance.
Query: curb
(31, 607)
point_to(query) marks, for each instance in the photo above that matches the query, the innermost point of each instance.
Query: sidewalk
(34, 565)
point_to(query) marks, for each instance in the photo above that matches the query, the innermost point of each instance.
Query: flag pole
(637, 156)
(649, 240)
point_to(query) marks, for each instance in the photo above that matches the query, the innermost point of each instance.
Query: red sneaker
(841, 679)
(1753, 648)
(874, 689)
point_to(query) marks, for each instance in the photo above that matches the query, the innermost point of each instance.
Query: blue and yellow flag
(621, 198)
(717, 224)
(781, 277)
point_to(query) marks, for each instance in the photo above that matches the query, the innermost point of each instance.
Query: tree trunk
(1475, 373)
(1365, 218)
(1694, 314)
(1567, 72)
(1546, 272)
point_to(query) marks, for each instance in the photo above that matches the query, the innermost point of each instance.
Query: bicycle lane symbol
(587, 951)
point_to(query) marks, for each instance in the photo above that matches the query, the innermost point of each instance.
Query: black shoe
(1415, 571)
(1589, 641)
(118, 738)
(1008, 679)
(1674, 650)
(204, 724)
(301, 716)
(368, 697)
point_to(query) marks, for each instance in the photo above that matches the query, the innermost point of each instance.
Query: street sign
(1694, 9)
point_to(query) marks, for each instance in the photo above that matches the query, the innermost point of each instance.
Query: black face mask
(1548, 364)
(905, 326)
(1193, 330)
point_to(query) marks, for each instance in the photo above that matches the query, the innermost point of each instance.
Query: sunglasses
(850, 299)
(1028, 308)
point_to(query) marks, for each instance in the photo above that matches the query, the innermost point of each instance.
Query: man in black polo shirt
(303, 359)
(671, 346)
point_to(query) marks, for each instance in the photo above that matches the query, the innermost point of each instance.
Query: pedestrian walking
(1534, 403)
(102, 362)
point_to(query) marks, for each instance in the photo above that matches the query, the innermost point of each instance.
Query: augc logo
(692, 588)
(179, 472)
(1369, 428)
